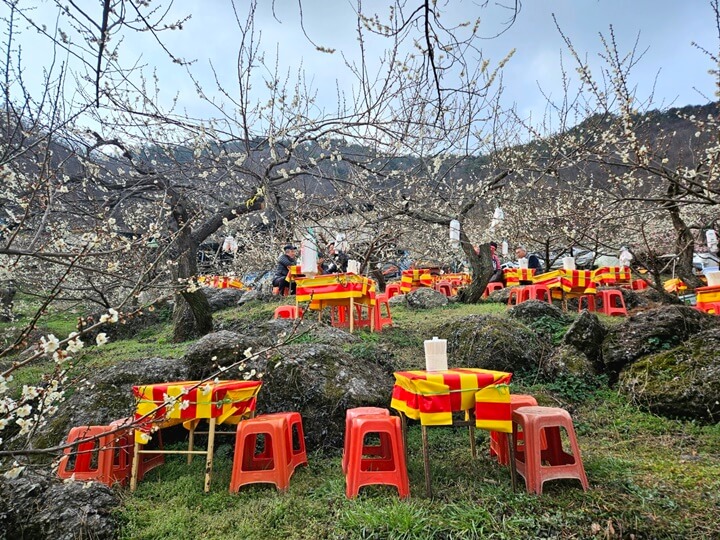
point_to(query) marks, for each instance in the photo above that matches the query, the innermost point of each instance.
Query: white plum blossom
(23, 411)
(101, 339)
(50, 344)
(14, 471)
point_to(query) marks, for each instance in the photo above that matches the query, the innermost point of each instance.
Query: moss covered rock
(649, 332)
(683, 382)
(425, 298)
(489, 342)
(567, 360)
(586, 334)
(534, 309)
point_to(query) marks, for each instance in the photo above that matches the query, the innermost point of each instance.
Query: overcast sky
(665, 28)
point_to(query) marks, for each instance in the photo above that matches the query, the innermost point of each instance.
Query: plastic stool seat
(491, 287)
(608, 297)
(444, 287)
(537, 292)
(287, 312)
(363, 471)
(273, 464)
(391, 289)
(536, 465)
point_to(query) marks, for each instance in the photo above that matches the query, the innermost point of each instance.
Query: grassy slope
(649, 476)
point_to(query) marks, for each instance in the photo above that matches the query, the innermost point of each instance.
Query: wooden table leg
(351, 314)
(135, 467)
(426, 461)
(403, 429)
(210, 449)
(473, 449)
(191, 442)
(511, 456)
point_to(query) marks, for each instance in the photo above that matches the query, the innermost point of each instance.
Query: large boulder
(226, 347)
(256, 295)
(106, 395)
(567, 360)
(38, 506)
(649, 332)
(488, 342)
(586, 334)
(532, 310)
(222, 298)
(499, 296)
(683, 382)
(425, 298)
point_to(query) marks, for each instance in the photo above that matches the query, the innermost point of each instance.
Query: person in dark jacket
(286, 260)
(533, 260)
(335, 261)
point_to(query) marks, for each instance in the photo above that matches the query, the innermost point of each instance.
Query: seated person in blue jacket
(286, 260)
(533, 260)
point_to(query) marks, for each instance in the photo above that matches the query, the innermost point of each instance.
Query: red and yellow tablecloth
(513, 276)
(432, 397)
(572, 282)
(463, 277)
(171, 403)
(611, 275)
(221, 282)
(414, 279)
(329, 287)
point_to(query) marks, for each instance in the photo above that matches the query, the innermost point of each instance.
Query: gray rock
(222, 298)
(586, 334)
(500, 296)
(255, 295)
(649, 332)
(398, 300)
(425, 298)
(107, 395)
(36, 506)
(532, 310)
(567, 360)
(489, 342)
(683, 382)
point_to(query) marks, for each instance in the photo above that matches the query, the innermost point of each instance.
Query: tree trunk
(7, 294)
(685, 247)
(481, 268)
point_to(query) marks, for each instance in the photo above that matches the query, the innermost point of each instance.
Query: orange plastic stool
(295, 439)
(608, 297)
(537, 292)
(270, 465)
(363, 471)
(494, 286)
(125, 451)
(638, 285)
(391, 289)
(287, 312)
(339, 316)
(383, 449)
(518, 295)
(87, 460)
(499, 440)
(589, 299)
(365, 315)
(444, 287)
(381, 300)
(537, 466)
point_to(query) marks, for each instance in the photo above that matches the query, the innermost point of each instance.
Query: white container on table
(523, 263)
(436, 354)
(713, 279)
(353, 267)
(569, 263)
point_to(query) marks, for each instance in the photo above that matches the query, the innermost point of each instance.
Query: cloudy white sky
(665, 28)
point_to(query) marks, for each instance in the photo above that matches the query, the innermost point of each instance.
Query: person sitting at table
(533, 260)
(286, 260)
(497, 275)
(334, 261)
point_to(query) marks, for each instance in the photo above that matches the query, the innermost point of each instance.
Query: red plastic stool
(518, 295)
(381, 300)
(537, 292)
(589, 300)
(391, 289)
(364, 471)
(383, 449)
(339, 316)
(638, 285)
(295, 438)
(287, 312)
(537, 466)
(444, 287)
(494, 286)
(88, 460)
(365, 316)
(499, 440)
(711, 308)
(125, 451)
(271, 464)
(608, 297)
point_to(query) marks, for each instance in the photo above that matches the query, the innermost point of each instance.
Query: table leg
(473, 449)
(351, 315)
(426, 461)
(135, 467)
(371, 314)
(511, 456)
(210, 449)
(403, 429)
(191, 443)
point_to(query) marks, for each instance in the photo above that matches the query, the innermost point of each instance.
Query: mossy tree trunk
(480, 267)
